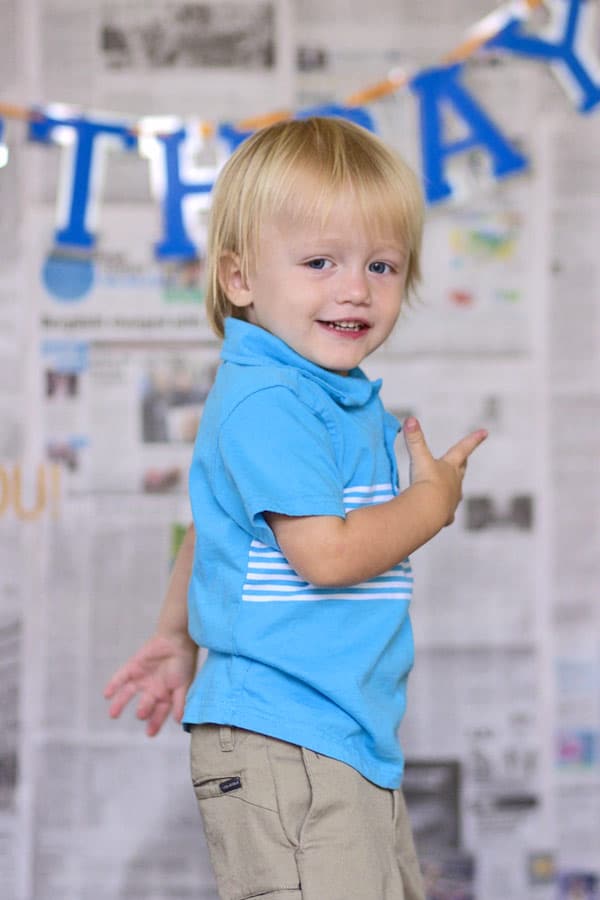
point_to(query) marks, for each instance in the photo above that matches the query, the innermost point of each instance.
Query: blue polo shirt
(325, 668)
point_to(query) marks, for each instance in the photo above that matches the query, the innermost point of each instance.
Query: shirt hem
(301, 735)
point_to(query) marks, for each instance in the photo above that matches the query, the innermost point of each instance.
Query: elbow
(318, 578)
(327, 568)
(324, 579)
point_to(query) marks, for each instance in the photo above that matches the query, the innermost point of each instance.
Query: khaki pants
(285, 823)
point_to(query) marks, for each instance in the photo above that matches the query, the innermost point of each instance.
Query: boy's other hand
(446, 473)
(160, 673)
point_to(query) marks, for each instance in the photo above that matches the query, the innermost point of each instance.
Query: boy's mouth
(348, 326)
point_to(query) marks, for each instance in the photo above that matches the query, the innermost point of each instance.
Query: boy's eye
(318, 263)
(380, 268)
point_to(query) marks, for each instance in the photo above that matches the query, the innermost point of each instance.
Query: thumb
(414, 438)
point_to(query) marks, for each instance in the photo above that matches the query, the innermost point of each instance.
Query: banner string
(477, 36)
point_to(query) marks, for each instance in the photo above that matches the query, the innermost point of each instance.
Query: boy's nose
(355, 289)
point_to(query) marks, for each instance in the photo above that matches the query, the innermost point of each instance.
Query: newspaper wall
(99, 402)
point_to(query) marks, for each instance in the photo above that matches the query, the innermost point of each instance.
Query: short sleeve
(277, 455)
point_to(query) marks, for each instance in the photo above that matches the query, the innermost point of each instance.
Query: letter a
(441, 87)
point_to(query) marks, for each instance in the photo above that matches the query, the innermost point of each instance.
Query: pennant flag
(575, 65)
(440, 89)
(182, 187)
(86, 141)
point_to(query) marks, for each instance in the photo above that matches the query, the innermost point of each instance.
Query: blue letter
(561, 56)
(175, 243)
(436, 87)
(74, 194)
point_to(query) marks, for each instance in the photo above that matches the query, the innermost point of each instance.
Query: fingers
(122, 696)
(146, 705)
(459, 453)
(158, 717)
(150, 708)
(116, 681)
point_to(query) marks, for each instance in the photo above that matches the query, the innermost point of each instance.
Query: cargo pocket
(217, 787)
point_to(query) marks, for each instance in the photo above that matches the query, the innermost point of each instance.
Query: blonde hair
(268, 174)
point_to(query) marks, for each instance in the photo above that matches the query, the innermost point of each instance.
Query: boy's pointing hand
(444, 474)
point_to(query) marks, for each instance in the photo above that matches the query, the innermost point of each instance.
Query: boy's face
(333, 294)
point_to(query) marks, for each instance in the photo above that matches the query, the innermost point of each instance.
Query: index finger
(460, 452)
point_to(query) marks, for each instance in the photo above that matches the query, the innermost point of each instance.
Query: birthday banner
(183, 188)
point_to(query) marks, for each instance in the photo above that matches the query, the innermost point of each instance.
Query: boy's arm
(330, 551)
(161, 671)
(173, 617)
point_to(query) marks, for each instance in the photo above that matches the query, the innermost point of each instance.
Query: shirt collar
(250, 345)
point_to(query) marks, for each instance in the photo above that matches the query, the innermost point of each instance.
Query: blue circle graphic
(68, 279)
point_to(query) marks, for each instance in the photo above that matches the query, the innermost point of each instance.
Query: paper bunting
(183, 188)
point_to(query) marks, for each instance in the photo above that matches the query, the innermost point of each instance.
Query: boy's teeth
(346, 326)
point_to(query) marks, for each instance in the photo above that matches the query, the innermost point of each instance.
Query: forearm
(376, 538)
(368, 542)
(173, 617)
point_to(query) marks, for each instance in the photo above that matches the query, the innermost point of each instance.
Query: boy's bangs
(309, 198)
(387, 208)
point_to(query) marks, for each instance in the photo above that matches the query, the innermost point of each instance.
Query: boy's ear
(232, 281)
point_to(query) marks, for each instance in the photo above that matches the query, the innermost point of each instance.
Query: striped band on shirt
(270, 577)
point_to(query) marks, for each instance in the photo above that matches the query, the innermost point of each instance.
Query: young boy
(301, 584)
